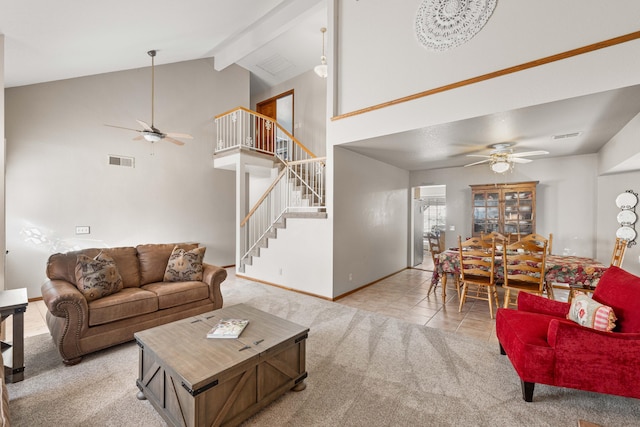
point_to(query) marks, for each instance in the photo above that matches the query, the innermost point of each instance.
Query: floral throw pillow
(97, 277)
(587, 312)
(185, 266)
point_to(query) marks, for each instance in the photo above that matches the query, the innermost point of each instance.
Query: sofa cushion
(587, 312)
(620, 290)
(154, 258)
(184, 266)
(129, 302)
(97, 277)
(63, 266)
(178, 293)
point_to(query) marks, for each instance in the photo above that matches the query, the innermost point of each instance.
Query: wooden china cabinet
(505, 208)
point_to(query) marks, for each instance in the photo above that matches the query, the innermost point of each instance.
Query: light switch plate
(83, 229)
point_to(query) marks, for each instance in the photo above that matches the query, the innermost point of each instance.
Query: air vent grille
(567, 135)
(128, 162)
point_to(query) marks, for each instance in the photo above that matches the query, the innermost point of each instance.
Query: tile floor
(402, 295)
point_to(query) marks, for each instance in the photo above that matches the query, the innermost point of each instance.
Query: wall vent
(567, 135)
(128, 162)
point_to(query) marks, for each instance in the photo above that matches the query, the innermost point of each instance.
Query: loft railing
(298, 188)
(248, 130)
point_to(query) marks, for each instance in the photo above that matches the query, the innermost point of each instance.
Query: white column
(241, 205)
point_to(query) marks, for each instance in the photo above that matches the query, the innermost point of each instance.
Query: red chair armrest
(537, 304)
(567, 334)
(587, 359)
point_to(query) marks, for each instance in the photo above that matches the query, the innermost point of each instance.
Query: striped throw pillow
(587, 312)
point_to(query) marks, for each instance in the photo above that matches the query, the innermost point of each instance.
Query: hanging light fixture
(321, 70)
(500, 162)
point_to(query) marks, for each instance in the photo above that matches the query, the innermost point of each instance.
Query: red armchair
(545, 347)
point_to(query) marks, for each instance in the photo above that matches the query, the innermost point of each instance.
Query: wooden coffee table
(192, 380)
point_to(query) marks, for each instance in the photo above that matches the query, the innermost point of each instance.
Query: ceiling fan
(502, 157)
(150, 132)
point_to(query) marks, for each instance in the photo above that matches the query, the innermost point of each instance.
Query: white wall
(565, 199)
(609, 186)
(621, 153)
(381, 60)
(309, 109)
(58, 177)
(371, 222)
(297, 258)
(2, 168)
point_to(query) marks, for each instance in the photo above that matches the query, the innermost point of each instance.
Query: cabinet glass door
(486, 212)
(518, 212)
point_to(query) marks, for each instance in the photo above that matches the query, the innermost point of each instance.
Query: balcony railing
(248, 130)
(299, 189)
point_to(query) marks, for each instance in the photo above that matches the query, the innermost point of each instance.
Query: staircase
(297, 192)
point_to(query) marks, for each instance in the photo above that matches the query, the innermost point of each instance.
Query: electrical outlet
(83, 229)
(350, 277)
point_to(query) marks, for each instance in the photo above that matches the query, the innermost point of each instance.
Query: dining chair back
(435, 248)
(500, 239)
(619, 249)
(477, 271)
(540, 240)
(524, 270)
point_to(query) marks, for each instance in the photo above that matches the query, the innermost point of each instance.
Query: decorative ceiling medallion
(445, 24)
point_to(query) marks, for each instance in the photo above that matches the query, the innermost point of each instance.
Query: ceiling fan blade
(530, 153)
(179, 135)
(477, 163)
(175, 141)
(478, 155)
(138, 138)
(122, 127)
(520, 160)
(145, 126)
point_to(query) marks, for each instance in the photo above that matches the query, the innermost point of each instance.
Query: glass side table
(13, 302)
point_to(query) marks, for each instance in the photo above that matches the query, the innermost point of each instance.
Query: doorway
(429, 211)
(279, 108)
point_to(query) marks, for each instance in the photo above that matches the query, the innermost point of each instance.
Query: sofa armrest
(68, 317)
(214, 276)
(537, 304)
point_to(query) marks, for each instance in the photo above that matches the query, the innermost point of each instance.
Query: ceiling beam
(273, 24)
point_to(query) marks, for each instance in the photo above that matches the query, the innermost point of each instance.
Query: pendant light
(321, 70)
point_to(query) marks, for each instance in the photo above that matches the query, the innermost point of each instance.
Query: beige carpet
(364, 370)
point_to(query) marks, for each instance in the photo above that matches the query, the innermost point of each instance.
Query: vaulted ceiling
(275, 40)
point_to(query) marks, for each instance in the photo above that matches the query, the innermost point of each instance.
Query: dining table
(574, 272)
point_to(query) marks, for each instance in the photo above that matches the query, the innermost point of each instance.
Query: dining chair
(435, 248)
(619, 249)
(524, 270)
(539, 240)
(477, 271)
(501, 239)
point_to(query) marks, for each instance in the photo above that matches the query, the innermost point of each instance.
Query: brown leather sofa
(79, 327)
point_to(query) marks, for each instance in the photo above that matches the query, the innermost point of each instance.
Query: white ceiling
(275, 40)
(53, 40)
(596, 117)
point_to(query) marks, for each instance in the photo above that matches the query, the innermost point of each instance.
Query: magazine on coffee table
(228, 328)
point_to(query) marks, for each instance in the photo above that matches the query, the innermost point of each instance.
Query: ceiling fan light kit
(150, 132)
(502, 158)
(501, 166)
